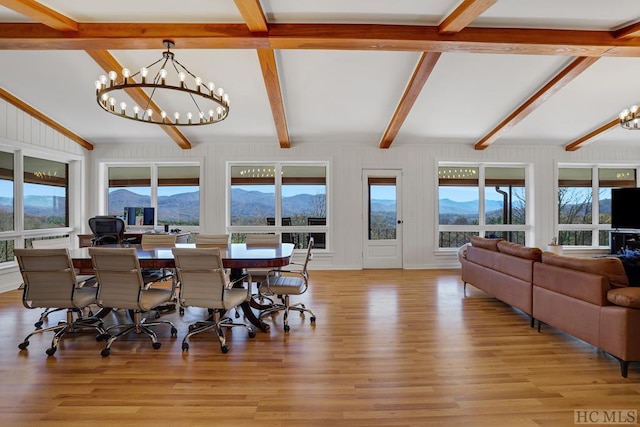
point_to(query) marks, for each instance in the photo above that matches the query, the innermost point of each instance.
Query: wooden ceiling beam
(253, 16)
(463, 15)
(42, 14)
(591, 136)
(272, 83)
(108, 63)
(628, 32)
(125, 36)
(569, 73)
(252, 13)
(10, 98)
(423, 70)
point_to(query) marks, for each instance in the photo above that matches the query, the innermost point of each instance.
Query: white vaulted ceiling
(302, 72)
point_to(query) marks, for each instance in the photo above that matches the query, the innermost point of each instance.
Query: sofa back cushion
(609, 267)
(520, 251)
(520, 268)
(483, 242)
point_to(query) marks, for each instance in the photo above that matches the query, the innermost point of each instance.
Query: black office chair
(318, 238)
(107, 230)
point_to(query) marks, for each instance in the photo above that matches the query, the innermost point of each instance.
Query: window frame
(278, 227)
(75, 188)
(103, 205)
(595, 227)
(482, 228)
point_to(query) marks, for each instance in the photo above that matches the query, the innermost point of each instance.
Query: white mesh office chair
(283, 283)
(83, 279)
(204, 283)
(120, 285)
(212, 240)
(50, 281)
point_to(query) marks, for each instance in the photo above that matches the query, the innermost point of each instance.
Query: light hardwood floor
(390, 348)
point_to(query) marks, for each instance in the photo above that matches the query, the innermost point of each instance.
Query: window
(6, 191)
(34, 199)
(45, 187)
(179, 195)
(173, 189)
(584, 202)
(500, 212)
(286, 198)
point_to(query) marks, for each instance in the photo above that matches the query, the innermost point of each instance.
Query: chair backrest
(202, 277)
(212, 240)
(263, 239)
(107, 229)
(309, 256)
(150, 240)
(49, 277)
(55, 243)
(119, 276)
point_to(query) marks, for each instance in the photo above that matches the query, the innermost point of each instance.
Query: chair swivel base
(217, 323)
(139, 326)
(64, 327)
(286, 307)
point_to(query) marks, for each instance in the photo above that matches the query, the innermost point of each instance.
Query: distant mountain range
(185, 206)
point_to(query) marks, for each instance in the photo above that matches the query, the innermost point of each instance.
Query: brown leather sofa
(502, 269)
(588, 298)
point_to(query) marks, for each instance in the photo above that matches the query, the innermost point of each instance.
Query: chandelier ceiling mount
(194, 103)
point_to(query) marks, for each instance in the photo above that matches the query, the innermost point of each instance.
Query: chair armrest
(239, 281)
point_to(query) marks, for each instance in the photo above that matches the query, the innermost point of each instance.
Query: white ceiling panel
(335, 87)
(340, 95)
(193, 11)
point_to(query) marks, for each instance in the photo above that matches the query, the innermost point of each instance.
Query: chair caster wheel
(23, 345)
(102, 337)
(38, 324)
(105, 352)
(181, 311)
(185, 346)
(252, 334)
(174, 332)
(191, 327)
(286, 328)
(313, 319)
(51, 351)
(156, 345)
(224, 349)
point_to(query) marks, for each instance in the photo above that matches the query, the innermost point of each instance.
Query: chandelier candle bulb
(629, 118)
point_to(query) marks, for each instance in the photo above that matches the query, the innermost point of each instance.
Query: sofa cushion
(520, 251)
(483, 242)
(626, 297)
(609, 267)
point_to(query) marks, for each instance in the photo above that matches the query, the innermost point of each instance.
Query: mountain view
(183, 209)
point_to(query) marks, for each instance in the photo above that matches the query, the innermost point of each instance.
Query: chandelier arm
(148, 66)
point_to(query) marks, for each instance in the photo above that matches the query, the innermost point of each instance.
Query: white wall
(19, 130)
(419, 165)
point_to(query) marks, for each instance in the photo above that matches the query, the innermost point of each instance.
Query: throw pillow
(625, 297)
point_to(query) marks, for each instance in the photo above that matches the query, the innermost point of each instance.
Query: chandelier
(630, 118)
(194, 102)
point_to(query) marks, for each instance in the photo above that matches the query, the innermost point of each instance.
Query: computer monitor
(139, 217)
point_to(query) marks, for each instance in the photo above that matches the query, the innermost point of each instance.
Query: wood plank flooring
(390, 348)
